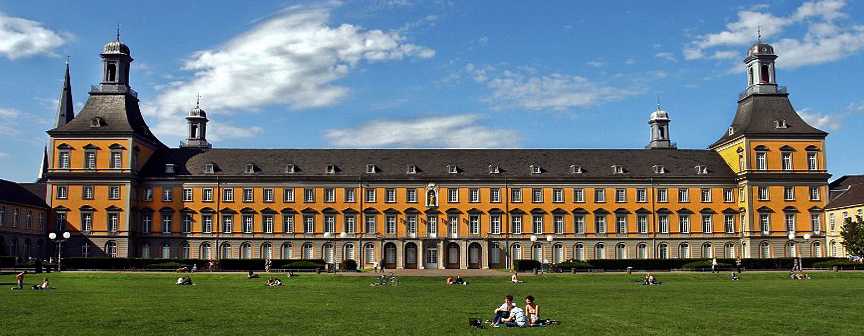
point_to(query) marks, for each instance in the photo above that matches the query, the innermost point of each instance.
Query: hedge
(840, 263)
(7, 261)
(139, 263)
(667, 264)
(568, 265)
(707, 263)
(526, 264)
(349, 265)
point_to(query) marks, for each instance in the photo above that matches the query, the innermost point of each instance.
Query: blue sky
(410, 73)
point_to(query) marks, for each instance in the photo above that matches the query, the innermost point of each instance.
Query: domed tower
(116, 60)
(760, 68)
(659, 124)
(197, 130)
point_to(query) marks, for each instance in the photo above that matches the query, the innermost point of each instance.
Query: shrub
(349, 265)
(841, 263)
(526, 264)
(303, 264)
(568, 265)
(7, 261)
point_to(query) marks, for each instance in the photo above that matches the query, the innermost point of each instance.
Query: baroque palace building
(123, 193)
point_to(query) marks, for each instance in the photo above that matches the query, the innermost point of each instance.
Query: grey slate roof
(15, 193)
(119, 111)
(843, 183)
(472, 163)
(853, 196)
(756, 115)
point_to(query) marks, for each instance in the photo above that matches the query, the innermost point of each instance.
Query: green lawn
(587, 304)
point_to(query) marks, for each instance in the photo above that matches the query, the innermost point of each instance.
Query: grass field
(587, 304)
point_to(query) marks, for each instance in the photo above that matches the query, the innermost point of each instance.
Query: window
(740, 162)
(410, 195)
(41, 221)
(186, 251)
(248, 195)
(206, 194)
(788, 193)
(453, 226)
(516, 224)
(85, 250)
(729, 223)
(790, 223)
(815, 224)
(641, 195)
(620, 224)
(761, 164)
(90, 160)
(558, 223)
(812, 161)
(390, 224)
(620, 251)
(350, 195)
(618, 169)
(288, 194)
(684, 223)
(187, 223)
(599, 195)
(411, 225)
(114, 192)
(707, 224)
(113, 222)
(61, 222)
(579, 252)
(207, 223)
(578, 195)
(248, 223)
(706, 195)
(148, 194)
(452, 195)
(187, 194)
(474, 225)
(684, 252)
(787, 160)
(412, 169)
(516, 195)
(474, 195)
(371, 225)
(642, 251)
(683, 195)
(495, 195)
(228, 195)
(370, 169)
(116, 160)
(166, 222)
(764, 250)
(537, 224)
(309, 195)
(535, 169)
(329, 195)
(350, 224)
(452, 169)
(495, 224)
(664, 251)
(814, 193)
(227, 223)
(64, 160)
(308, 253)
(431, 225)
(250, 168)
(662, 195)
(600, 251)
(15, 220)
(642, 224)
(268, 194)
(87, 192)
(330, 223)
(369, 252)
(370, 195)
(579, 223)
(62, 192)
(728, 195)
(308, 224)
(146, 223)
(87, 221)
(209, 168)
(111, 249)
(226, 251)
(765, 223)
(390, 195)
(290, 168)
(288, 223)
(331, 169)
(620, 195)
(763, 193)
(600, 223)
(537, 195)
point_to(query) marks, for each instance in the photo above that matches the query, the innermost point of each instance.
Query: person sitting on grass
(516, 319)
(515, 278)
(277, 282)
(651, 280)
(733, 276)
(252, 275)
(270, 281)
(533, 310)
(449, 280)
(184, 280)
(43, 286)
(503, 311)
(459, 281)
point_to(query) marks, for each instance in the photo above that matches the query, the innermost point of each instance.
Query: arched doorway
(451, 256)
(475, 253)
(430, 255)
(410, 256)
(390, 255)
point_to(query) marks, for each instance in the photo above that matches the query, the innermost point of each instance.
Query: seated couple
(185, 280)
(651, 280)
(512, 316)
(274, 282)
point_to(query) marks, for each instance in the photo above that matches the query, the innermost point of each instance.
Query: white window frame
(599, 195)
(269, 195)
(663, 223)
(600, 223)
(641, 195)
(728, 195)
(187, 195)
(683, 195)
(308, 195)
(536, 195)
(729, 223)
(684, 223)
(495, 195)
(812, 161)
(707, 223)
(187, 222)
(516, 195)
(764, 193)
(473, 224)
(642, 224)
(706, 195)
(814, 193)
(228, 195)
(452, 195)
(579, 223)
(786, 159)
(390, 195)
(308, 223)
(516, 224)
(114, 192)
(473, 195)
(495, 224)
(288, 223)
(578, 195)
(329, 195)
(288, 195)
(370, 195)
(537, 224)
(207, 223)
(662, 195)
(350, 195)
(248, 195)
(765, 223)
(761, 161)
(620, 195)
(350, 223)
(329, 223)
(390, 224)
(411, 195)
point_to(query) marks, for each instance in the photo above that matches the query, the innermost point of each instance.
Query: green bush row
(841, 263)
(7, 261)
(139, 263)
(667, 264)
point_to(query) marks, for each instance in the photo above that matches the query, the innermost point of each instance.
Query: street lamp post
(59, 240)
(798, 248)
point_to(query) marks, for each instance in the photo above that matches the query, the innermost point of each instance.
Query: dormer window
(659, 169)
(97, 122)
(731, 130)
(250, 168)
(412, 169)
(371, 169)
(701, 169)
(452, 169)
(576, 169)
(617, 169)
(209, 168)
(493, 169)
(169, 168)
(780, 123)
(291, 168)
(535, 169)
(331, 169)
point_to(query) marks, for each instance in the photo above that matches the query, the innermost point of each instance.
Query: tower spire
(65, 110)
(659, 126)
(759, 34)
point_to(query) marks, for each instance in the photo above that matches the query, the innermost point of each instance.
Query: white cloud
(290, 60)
(459, 131)
(596, 64)
(665, 55)
(822, 120)
(23, 38)
(3, 154)
(826, 37)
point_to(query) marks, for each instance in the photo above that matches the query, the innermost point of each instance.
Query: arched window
(600, 251)
(27, 248)
(517, 251)
(558, 253)
(287, 251)
(204, 253)
(267, 251)
(226, 251)
(730, 250)
(145, 251)
(13, 247)
(816, 251)
(684, 251)
(328, 253)
(308, 253)
(642, 251)
(791, 251)
(833, 248)
(369, 253)
(579, 252)
(663, 249)
(186, 251)
(620, 251)
(495, 253)
(111, 74)
(764, 250)
(111, 249)
(707, 251)
(765, 75)
(537, 252)
(246, 251)
(166, 251)
(349, 252)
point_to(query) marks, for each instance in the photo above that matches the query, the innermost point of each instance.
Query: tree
(853, 236)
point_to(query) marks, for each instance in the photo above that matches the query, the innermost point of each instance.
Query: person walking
(714, 265)
(738, 265)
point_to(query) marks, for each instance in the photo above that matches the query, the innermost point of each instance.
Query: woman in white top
(533, 310)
